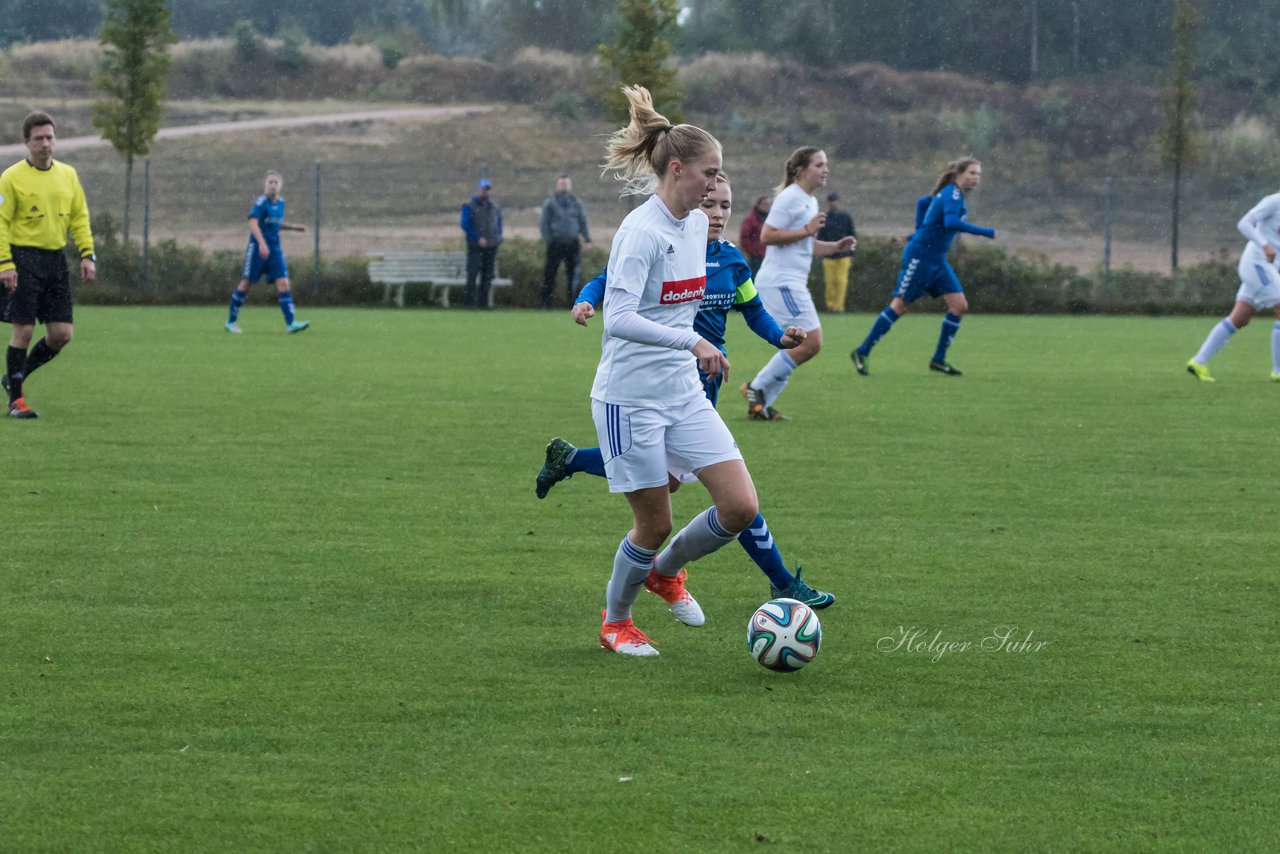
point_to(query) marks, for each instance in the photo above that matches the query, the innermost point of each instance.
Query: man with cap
(835, 267)
(482, 223)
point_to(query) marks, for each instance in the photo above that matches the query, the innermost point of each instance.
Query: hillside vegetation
(1047, 148)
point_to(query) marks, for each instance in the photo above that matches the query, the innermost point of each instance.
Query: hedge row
(995, 281)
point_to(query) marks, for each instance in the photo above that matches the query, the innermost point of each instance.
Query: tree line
(1011, 40)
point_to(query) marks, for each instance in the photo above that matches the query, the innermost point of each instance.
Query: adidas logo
(671, 250)
(35, 209)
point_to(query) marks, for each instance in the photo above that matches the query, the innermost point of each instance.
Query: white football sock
(1218, 338)
(630, 566)
(698, 539)
(773, 377)
(1275, 348)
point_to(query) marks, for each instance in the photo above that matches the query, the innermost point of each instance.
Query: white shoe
(233, 327)
(625, 638)
(671, 589)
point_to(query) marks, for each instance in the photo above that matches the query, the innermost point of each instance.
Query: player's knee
(736, 514)
(58, 339)
(653, 532)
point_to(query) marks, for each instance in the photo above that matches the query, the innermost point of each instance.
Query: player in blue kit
(729, 286)
(264, 257)
(940, 216)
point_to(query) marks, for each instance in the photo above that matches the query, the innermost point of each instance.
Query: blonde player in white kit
(783, 280)
(1259, 287)
(647, 401)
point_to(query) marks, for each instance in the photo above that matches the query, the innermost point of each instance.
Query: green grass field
(294, 593)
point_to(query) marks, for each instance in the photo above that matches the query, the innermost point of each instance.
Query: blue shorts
(919, 276)
(711, 387)
(255, 266)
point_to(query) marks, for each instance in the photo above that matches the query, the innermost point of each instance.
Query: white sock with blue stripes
(631, 564)
(698, 539)
(773, 377)
(1218, 338)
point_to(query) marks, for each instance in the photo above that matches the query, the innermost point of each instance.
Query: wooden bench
(438, 270)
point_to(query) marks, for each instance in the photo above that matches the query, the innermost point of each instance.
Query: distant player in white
(647, 400)
(783, 281)
(1259, 287)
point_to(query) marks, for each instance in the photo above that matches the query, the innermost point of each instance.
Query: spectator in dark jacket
(835, 267)
(482, 222)
(562, 223)
(749, 233)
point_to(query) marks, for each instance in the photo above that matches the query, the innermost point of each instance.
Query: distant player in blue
(729, 286)
(264, 257)
(940, 216)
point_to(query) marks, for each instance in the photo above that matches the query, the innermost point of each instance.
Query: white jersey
(663, 260)
(788, 265)
(1261, 226)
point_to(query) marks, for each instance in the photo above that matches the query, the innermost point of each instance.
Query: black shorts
(44, 288)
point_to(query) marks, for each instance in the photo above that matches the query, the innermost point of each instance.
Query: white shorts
(790, 305)
(1259, 284)
(642, 446)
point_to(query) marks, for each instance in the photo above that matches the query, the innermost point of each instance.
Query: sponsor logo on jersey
(717, 300)
(671, 250)
(683, 290)
(715, 264)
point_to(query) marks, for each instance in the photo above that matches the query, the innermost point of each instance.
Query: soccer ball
(784, 635)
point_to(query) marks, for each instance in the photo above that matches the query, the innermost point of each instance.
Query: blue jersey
(942, 220)
(729, 286)
(269, 215)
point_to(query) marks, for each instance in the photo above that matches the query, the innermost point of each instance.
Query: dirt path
(78, 143)
(1082, 251)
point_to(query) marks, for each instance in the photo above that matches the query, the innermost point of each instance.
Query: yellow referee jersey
(38, 208)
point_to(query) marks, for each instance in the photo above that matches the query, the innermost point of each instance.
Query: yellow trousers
(836, 273)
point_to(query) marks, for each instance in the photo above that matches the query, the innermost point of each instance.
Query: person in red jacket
(749, 233)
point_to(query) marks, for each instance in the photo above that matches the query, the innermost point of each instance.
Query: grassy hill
(1047, 150)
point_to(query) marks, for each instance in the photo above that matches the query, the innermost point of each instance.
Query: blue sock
(758, 543)
(882, 325)
(237, 302)
(589, 460)
(950, 326)
(286, 306)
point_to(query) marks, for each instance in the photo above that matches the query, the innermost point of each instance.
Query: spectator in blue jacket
(482, 223)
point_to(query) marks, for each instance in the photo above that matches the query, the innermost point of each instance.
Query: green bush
(994, 280)
(522, 260)
(998, 282)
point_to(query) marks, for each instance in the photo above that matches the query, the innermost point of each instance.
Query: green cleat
(859, 363)
(298, 326)
(1199, 371)
(553, 468)
(797, 589)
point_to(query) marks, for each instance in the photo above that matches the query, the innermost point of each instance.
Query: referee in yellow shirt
(40, 201)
